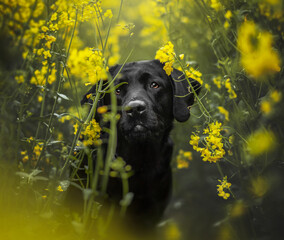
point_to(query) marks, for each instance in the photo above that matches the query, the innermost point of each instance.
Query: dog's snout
(136, 107)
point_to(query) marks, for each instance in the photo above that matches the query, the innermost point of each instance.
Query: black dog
(151, 101)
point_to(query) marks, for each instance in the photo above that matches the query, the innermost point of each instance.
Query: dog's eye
(154, 85)
(117, 91)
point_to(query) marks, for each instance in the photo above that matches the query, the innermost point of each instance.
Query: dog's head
(149, 99)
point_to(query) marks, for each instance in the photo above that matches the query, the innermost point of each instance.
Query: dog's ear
(183, 96)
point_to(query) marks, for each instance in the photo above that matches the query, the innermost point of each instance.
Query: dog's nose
(136, 107)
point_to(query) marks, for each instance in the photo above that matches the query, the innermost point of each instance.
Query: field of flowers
(228, 159)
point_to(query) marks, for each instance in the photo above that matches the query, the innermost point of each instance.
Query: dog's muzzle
(135, 108)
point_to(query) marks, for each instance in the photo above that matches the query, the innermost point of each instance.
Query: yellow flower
(213, 146)
(53, 17)
(20, 79)
(46, 54)
(44, 28)
(108, 14)
(228, 14)
(238, 209)
(216, 5)
(259, 186)
(217, 81)
(102, 109)
(91, 133)
(87, 64)
(265, 107)
(257, 54)
(172, 232)
(228, 86)
(194, 141)
(261, 141)
(25, 158)
(224, 112)
(166, 55)
(276, 96)
(183, 159)
(49, 40)
(181, 56)
(37, 150)
(207, 86)
(75, 128)
(59, 189)
(226, 25)
(39, 98)
(194, 74)
(224, 185)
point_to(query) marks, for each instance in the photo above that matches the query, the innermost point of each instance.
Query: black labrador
(150, 100)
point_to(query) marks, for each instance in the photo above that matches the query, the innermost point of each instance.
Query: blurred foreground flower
(261, 141)
(257, 54)
(166, 55)
(267, 105)
(259, 186)
(172, 232)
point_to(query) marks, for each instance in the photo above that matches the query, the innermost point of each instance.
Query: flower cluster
(46, 73)
(195, 74)
(90, 134)
(221, 187)
(35, 153)
(227, 84)
(183, 159)
(257, 54)
(88, 64)
(213, 145)
(166, 55)
(224, 112)
(151, 12)
(83, 10)
(216, 5)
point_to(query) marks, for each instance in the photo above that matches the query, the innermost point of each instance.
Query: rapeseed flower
(212, 150)
(261, 141)
(230, 90)
(154, 29)
(259, 186)
(257, 54)
(59, 189)
(275, 96)
(40, 76)
(88, 64)
(216, 5)
(183, 159)
(91, 133)
(166, 55)
(217, 81)
(224, 112)
(194, 74)
(266, 105)
(20, 79)
(108, 14)
(223, 186)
